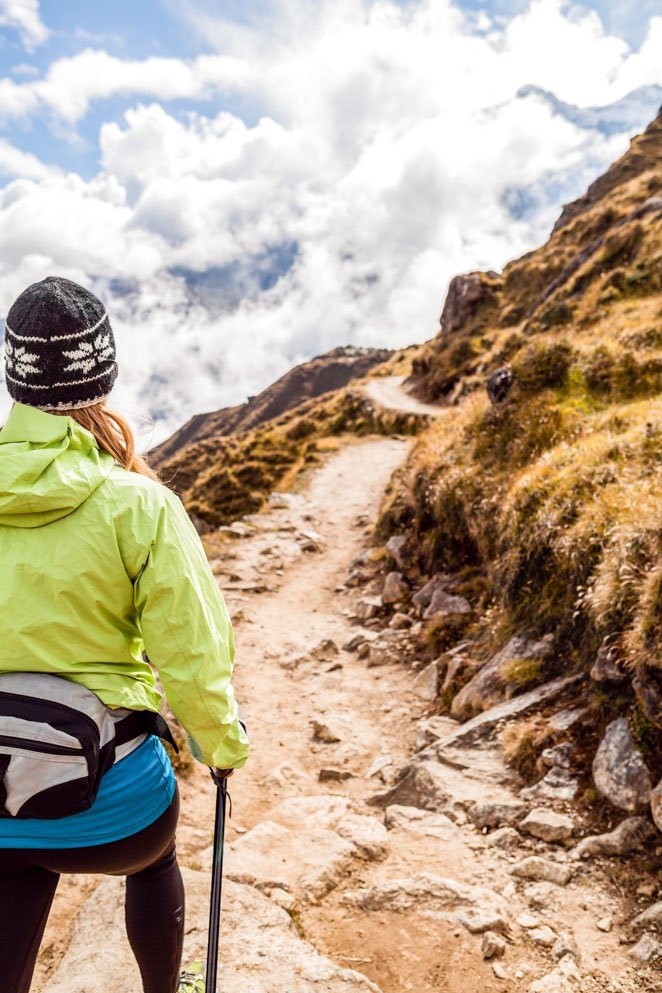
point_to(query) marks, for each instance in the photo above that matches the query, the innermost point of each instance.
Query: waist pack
(57, 740)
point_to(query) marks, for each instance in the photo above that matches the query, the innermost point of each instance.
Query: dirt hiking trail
(332, 884)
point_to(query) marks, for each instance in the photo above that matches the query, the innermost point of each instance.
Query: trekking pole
(216, 883)
(196, 978)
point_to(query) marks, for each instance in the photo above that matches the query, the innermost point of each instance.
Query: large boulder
(627, 837)
(619, 772)
(467, 294)
(502, 677)
(256, 933)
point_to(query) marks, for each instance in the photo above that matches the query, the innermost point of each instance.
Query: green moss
(523, 672)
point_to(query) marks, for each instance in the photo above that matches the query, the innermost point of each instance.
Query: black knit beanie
(59, 346)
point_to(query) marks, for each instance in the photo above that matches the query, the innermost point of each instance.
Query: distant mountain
(624, 115)
(314, 378)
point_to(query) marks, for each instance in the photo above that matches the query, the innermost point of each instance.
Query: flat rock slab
(484, 722)
(307, 862)
(256, 935)
(417, 821)
(425, 889)
(434, 786)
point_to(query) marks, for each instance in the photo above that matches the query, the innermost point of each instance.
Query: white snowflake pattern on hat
(88, 354)
(20, 361)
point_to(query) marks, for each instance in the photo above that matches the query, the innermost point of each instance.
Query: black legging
(154, 901)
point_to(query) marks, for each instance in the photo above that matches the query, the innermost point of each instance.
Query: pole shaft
(216, 882)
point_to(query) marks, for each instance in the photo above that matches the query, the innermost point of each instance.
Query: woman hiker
(99, 561)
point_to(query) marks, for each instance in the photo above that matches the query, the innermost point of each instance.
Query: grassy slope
(555, 494)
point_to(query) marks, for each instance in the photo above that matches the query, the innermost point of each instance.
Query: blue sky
(248, 185)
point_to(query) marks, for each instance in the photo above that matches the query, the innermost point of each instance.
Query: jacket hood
(49, 465)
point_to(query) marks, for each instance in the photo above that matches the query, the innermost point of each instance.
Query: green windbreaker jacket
(98, 563)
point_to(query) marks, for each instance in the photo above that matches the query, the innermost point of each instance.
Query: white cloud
(384, 162)
(24, 16)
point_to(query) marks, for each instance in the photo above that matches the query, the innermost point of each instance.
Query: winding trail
(389, 392)
(318, 895)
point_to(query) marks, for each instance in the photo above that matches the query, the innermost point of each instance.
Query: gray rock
(445, 604)
(483, 723)
(367, 607)
(368, 834)
(565, 944)
(493, 815)
(423, 597)
(395, 548)
(605, 668)
(359, 639)
(651, 916)
(400, 621)
(417, 821)
(426, 683)
(563, 720)
(506, 838)
(548, 825)
(478, 920)
(647, 950)
(537, 869)
(493, 946)
(395, 588)
(326, 650)
(558, 784)
(491, 683)
(499, 384)
(627, 837)
(565, 978)
(619, 772)
(656, 805)
(323, 810)
(559, 756)
(543, 935)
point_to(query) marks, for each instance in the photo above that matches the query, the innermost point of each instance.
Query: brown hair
(113, 434)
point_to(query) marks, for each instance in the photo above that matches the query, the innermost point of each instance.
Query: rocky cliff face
(539, 495)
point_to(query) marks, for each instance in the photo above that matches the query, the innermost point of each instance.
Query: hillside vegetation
(546, 483)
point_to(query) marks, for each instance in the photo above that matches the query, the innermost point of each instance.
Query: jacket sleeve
(188, 637)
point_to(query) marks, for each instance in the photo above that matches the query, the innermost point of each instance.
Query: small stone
(499, 971)
(547, 825)
(395, 548)
(400, 621)
(536, 869)
(565, 945)
(558, 784)
(478, 921)
(378, 763)
(368, 607)
(368, 834)
(322, 732)
(426, 683)
(326, 650)
(628, 836)
(334, 775)
(363, 650)
(395, 588)
(619, 772)
(493, 946)
(652, 915)
(648, 949)
(543, 936)
(491, 815)
(527, 920)
(505, 838)
(560, 756)
(604, 924)
(563, 720)
(445, 604)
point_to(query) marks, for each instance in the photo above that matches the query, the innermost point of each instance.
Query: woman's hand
(220, 774)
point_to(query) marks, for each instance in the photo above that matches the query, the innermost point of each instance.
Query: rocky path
(372, 846)
(389, 392)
